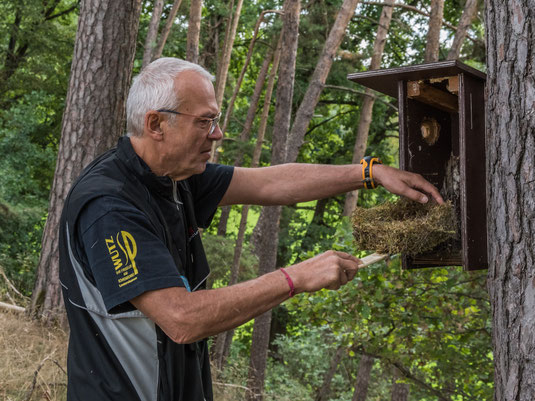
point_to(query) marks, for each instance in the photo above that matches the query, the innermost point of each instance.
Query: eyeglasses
(213, 121)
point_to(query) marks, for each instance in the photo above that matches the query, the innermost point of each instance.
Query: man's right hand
(330, 270)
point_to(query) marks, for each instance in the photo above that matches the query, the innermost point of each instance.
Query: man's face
(186, 145)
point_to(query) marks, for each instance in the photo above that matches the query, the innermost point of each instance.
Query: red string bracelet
(290, 282)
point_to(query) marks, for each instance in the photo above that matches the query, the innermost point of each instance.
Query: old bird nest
(404, 226)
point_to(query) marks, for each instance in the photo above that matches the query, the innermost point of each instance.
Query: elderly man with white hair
(132, 265)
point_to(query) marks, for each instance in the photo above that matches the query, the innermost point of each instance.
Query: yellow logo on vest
(123, 251)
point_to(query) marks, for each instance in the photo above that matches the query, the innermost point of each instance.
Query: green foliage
(20, 242)
(220, 255)
(433, 322)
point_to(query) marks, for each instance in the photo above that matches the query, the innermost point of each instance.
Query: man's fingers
(429, 188)
(346, 256)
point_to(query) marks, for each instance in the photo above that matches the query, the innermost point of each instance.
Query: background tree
(93, 120)
(267, 247)
(369, 99)
(152, 33)
(510, 120)
(432, 47)
(194, 31)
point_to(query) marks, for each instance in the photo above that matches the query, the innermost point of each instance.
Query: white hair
(154, 88)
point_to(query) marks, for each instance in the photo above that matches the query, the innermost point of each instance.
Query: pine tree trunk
(363, 378)
(227, 52)
(323, 393)
(315, 86)
(510, 122)
(223, 70)
(222, 345)
(152, 33)
(194, 31)
(366, 110)
(270, 224)
(400, 391)
(468, 15)
(93, 120)
(167, 28)
(230, 105)
(432, 46)
(244, 136)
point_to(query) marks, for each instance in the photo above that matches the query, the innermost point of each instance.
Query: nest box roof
(386, 81)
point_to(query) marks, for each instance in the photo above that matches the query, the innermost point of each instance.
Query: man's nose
(217, 134)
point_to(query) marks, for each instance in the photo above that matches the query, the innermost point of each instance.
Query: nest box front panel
(442, 137)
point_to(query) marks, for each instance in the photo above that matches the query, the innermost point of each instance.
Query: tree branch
(418, 11)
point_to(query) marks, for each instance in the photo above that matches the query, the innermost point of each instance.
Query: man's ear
(153, 125)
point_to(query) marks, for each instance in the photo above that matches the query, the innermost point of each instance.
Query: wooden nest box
(442, 137)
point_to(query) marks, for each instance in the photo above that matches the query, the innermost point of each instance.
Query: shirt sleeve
(124, 253)
(208, 188)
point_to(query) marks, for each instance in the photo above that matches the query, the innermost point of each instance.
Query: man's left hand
(405, 183)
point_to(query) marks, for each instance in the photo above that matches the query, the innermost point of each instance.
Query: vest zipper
(175, 195)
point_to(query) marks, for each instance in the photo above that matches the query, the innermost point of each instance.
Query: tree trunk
(366, 111)
(244, 136)
(152, 33)
(510, 122)
(222, 345)
(432, 46)
(315, 86)
(469, 12)
(93, 120)
(194, 31)
(270, 223)
(230, 105)
(223, 70)
(400, 391)
(363, 378)
(323, 393)
(227, 52)
(167, 28)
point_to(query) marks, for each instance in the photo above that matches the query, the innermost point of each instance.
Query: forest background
(391, 334)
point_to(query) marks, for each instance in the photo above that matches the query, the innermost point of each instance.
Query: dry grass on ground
(32, 360)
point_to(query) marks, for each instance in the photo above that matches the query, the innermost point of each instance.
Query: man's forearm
(190, 316)
(287, 184)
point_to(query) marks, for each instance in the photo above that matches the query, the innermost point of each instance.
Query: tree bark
(400, 391)
(93, 120)
(227, 52)
(363, 378)
(152, 33)
(315, 86)
(432, 46)
(270, 223)
(323, 393)
(223, 71)
(510, 144)
(468, 15)
(167, 28)
(194, 31)
(237, 87)
(366, 112)
(223, 342)
(244, 136)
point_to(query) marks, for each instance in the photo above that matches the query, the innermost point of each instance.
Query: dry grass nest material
(403, 226)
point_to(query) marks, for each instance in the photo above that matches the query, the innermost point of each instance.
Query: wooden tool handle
(371, 259)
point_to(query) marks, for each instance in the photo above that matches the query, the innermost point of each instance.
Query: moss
(404, 226)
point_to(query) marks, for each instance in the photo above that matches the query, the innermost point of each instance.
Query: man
(132, 264)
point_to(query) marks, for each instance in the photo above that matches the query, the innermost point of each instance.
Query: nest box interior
(442, 137)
